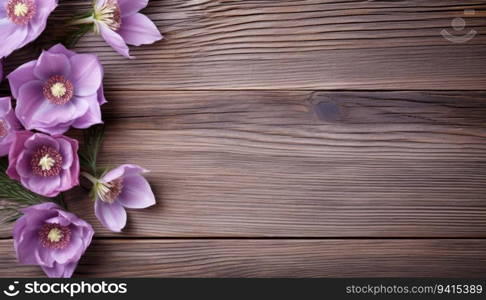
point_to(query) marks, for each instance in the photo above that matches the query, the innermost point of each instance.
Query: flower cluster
(58, 91)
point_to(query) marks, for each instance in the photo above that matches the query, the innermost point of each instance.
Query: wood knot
(327, 110)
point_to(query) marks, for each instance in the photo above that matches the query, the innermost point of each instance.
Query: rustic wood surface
(294, 138)
(271, 258)
(299, 44)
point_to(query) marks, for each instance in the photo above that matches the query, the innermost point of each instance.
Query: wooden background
(305, 138)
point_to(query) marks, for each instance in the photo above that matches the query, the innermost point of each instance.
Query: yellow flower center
(109, 191)
(21, 9)
(46, 163)
(58, 89)
(20, 12)
(109, 14)
(54, 235)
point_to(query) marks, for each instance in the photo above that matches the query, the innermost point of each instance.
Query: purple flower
(59, 90)
(46, 165)
(21, 22)
(51, 238)
(120, 188)
(8, 125)
(120, 23)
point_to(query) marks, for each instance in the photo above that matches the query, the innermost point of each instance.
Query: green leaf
(14, 196)
(74, 36)
(88, 154)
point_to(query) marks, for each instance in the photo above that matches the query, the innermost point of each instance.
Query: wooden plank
(271, 258)
(309, 44)
(293, 164)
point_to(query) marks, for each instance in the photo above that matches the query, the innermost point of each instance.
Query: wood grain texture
(231, 115)
(271, 258)
(305, 44)
(293, 164)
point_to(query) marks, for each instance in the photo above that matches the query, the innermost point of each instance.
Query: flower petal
(136, 193)
(123, 170)
(60, 49)
(129, 7)
(139, 30)
(39, 139)
(43, 256)
(56, 119)
(114, 40)
(44, 186)
(60, 270)
(86, 74)
(112, 216)
(3, 13)
(70, 173)
(72, 252)
(101, 95)
(5, 105)
(66, 151)
(51, 64)
(40, 207)
(10, 124)
(26, 247)
(21, 76)
(28, 101)
(92, 116)
(15, 150)
(23, 166)
(13, 37)
(38, 23)
(48, 114)
(58, 220)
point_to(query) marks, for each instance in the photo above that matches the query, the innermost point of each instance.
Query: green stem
(93, 138)
(88, 20)
(96, 184)
(90, 177)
